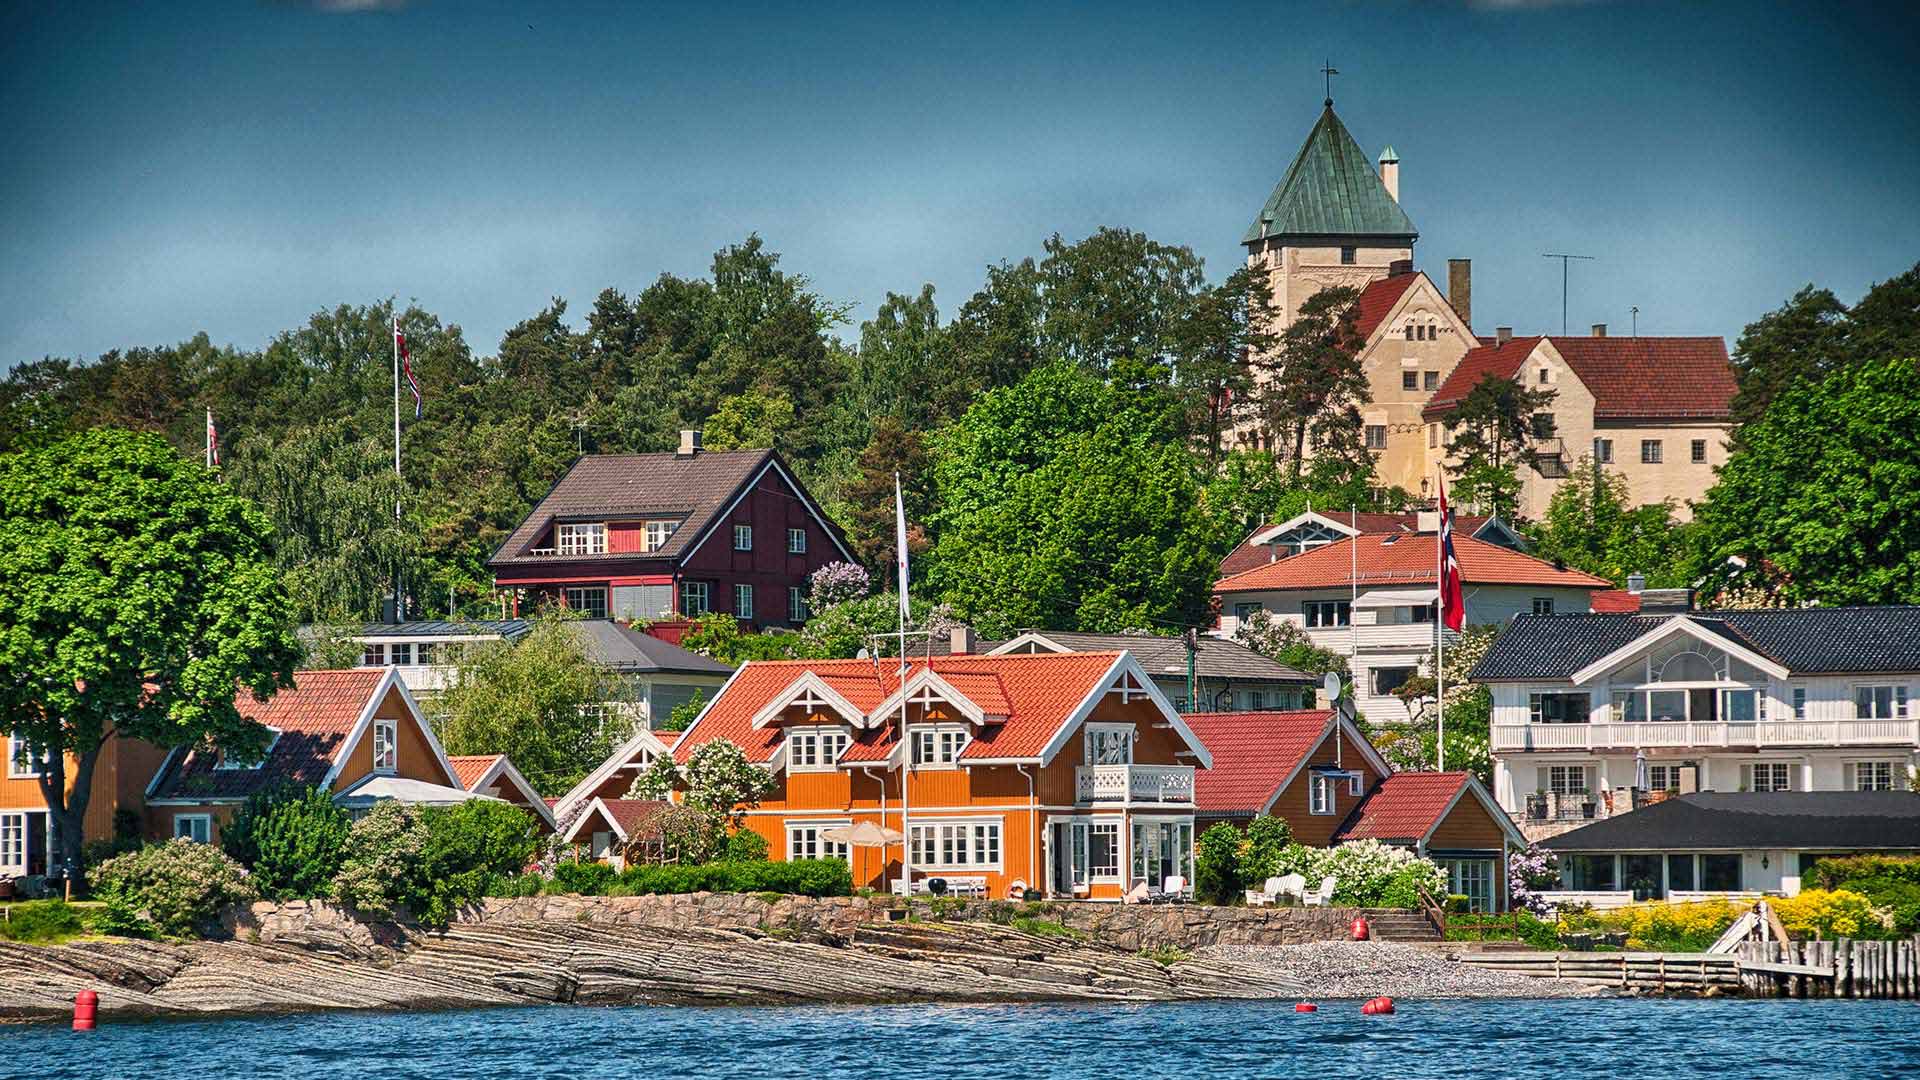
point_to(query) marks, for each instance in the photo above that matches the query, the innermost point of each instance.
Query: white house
(1371, 598)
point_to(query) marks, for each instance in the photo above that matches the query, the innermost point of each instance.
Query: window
(1629, 706)
(1328, 612)
(1546, 376)
(1103, 851)
(1799, 703)
(13, 840)
(1568, 779)
(1588, 872)
(1433, 332)
(589, 600)
(939, 746)
(1720, 873)
(195, 827)
(1768, 776)
(23, 762)
(658, 533)
(228, 762)
(1162, 849)
(1109, 744)
(743, 538)
(1471, 878)
(375, 655)
(796, 541)
(1256, 699)
(805, 842)
(1388, 679)
(958, 845)
(1665, 777)
(1409, 331)
(1680, 873)
(1244, 611)
(1742, 706)
(1320, 794)
(815, 748)
(1433, 436)
(696, 598)
(1409, 380)
(1667, 705)
(743, 601)
(386, 750)
(1559, 708)
(400, 654)
(1880, 702)
(796, 604)
(1429, 380)
(583, 538)
(423, 653)
(1348, 256)
(1376, 436)
(1871, 776)
(1699, 451)
(1649, 451)
(1543, 425)
(1603, 451)
(1543, 605)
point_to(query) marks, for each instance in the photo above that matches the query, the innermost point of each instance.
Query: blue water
(1618, 1039)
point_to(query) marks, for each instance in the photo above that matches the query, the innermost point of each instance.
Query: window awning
(1397, 598)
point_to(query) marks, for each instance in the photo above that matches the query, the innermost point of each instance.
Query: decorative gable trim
(1269, 535)
(643, 739)
(928, 684)
(503, 771)
(1125, 667)
(390, 678)
(1027, 642)
(606, 815)
(1683, 625)
(811, 691)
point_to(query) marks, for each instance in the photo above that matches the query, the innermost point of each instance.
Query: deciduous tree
(1490, 432)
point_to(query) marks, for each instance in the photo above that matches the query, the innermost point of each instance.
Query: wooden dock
(1841, 968)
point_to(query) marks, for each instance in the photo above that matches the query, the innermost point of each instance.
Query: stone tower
(1332, 220)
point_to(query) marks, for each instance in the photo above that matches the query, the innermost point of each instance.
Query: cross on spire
(1329, 71)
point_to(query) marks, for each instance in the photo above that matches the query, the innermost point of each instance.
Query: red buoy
(1359, 928)
(85, 1004)
(1306, 1006)
(1382, 1006)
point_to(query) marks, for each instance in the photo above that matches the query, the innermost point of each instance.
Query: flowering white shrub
(1529, 872)
(1366, 873)
(837, 583)
(176, 887)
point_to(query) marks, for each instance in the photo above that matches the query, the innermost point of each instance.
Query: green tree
(1814, 335)
(1312, 383)
(751, 420)
(1589, 526)
(1824, 490)
(903, 371)
(717, 783)
(291, 840)
(718, 635)
(867, 512)
(1489, 434)
(1115, 295)
(542, 701)
(136, 593)
(1214, 340)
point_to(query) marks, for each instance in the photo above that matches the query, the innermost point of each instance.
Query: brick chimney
(689, 443)
(1460, 288)
(961, 641)
(1665, 601)
(1502, 335)
(1390, 172)
(1599, 329)
(1400, 268)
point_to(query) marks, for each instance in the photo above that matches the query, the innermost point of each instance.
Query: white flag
(900, 552)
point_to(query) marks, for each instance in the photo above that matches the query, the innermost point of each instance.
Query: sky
(167, 169)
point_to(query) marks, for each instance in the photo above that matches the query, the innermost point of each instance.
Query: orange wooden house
(1067, 773)
(120, 777)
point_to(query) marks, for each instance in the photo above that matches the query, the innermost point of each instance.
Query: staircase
(1403, 926)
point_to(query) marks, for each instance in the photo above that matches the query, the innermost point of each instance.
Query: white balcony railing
(1690, 733)
(1135, 784)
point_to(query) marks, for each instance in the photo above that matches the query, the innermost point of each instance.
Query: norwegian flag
(1453, 608)
(213, 442)
(406, 365)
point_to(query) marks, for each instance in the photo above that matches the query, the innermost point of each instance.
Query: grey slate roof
(1160, 654)
(510, 629)
(1809, 641)
(1331, 189)
(625, 649)
(1817, 820)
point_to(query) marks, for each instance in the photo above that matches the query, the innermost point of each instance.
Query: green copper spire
(1332, 190)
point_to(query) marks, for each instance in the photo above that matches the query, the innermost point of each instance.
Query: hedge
(802, 877)
(1889, 882)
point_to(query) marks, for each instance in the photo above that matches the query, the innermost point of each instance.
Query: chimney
(960, 640)
(1665, 601)
(389, 609)
(1599, 329)
(1390, 172)
(1502, 335)
(1427, 521)
(1460, 288)
(1400, 268)
(689, 442)
(1689, 779)
(1636, 583)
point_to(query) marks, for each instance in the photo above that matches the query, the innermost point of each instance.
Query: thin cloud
(350, 7)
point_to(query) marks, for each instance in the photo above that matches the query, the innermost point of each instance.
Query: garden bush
(1366, 873)
(429, 862)
(1892, 883)
(1266, 838)
(41, 921)
(1832, 913)
(1216, 865)
(801, 877)
(1660, 925)
(745, 845)
(291, 839)
(583, 878)
(177, 887)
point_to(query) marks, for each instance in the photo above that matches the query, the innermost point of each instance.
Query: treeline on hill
(1064, 437)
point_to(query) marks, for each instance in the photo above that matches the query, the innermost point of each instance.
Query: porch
(1133, 785)
(1648, 734)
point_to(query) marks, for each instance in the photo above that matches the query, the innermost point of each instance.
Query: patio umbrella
(1640, 769)
(865, 834)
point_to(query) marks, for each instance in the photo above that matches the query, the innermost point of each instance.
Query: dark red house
(659, 536)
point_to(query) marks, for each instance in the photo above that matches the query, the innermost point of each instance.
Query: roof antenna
(1329, 71)
(1564, 260)
(1636, 320)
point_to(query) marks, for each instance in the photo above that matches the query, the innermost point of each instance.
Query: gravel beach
(1362, 969)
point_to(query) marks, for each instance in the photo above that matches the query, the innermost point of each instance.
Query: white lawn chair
(1139, 894)
(1265, 896)
(1174, 891)
(1293, 885)
(1320, 896)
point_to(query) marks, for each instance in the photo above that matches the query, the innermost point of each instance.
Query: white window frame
(658, 533)
(1727, 695)
(227, 764)
(816, 749)
(1542, 605)
(203, 823)
(689, 591)
(400, 654)
(580, 538)
(939, 746)
(950, 844)
(1315, 613)
(796, 541)
(743, 601)
(1376, 435)
(385, 734)
(1799, 697)
(1118, 871)
(373, 654)
(797, 604)
(13, 840)
(743, 538)
(1323, 791)
(804, 840)
(1603, 451)
(1781, 771)
(1897, 701)
(1097, 737)
(1566, 780)
(575, 598)
(19, 751)
(1652, 452)
(1669, 771)
(1895, 775)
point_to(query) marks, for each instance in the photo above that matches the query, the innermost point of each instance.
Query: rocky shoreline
(705, 950)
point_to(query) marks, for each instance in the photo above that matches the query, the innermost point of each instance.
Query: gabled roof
(1378, 300)
(476, 772)
(692, 489)
(1838, 821)
(1258, 550)
(1630, 378)
(1406, 807)
(1162, 655)
(640, 744)
(624, 649)
(1257, 754)
(1331, 189)
(316, 718)
(621, 816)
(1394, 560)
(1805, 641)
(470, 768)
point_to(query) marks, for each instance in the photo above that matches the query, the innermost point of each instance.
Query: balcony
(1688, 734)
(1135, 785)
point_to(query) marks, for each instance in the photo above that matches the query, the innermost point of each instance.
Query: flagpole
(399, 604)
(1440, 633)
(906, 744)
(209, 436)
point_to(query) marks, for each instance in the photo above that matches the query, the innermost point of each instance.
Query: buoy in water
(1306, 1006)
(85, 1005)
(1359, 928)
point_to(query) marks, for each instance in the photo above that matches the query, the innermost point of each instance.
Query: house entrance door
(1069, 857)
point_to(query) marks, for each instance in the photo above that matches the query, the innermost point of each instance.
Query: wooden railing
(1436, 915)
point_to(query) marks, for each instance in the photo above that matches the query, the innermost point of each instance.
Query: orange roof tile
(1377, 300)
(1404, 806)
(1630, 378)
(1615, 602)
(1253, 754)
(1249, 554)
(314, 717)
(1407, 560)
(469, 768)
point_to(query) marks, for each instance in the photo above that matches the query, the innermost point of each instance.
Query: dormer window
(228, 763)
(580, 538)
(938, 746)
(386, 745)
(816, 749)
(658, 533)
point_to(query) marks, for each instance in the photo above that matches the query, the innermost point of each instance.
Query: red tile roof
(1408, 560)
(1377, 300)
(1629, 378)
(1404, 806)
(1035, 691)
(469, 768)
(1253, 754)
(314, 718)
(628, 813)
(1249, 554)
(1615, 602)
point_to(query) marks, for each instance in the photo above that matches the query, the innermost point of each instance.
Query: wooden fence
(1841, 968)
(1653, 972)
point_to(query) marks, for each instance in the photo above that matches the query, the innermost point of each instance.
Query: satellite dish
(1331, 684)
(861, 655)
